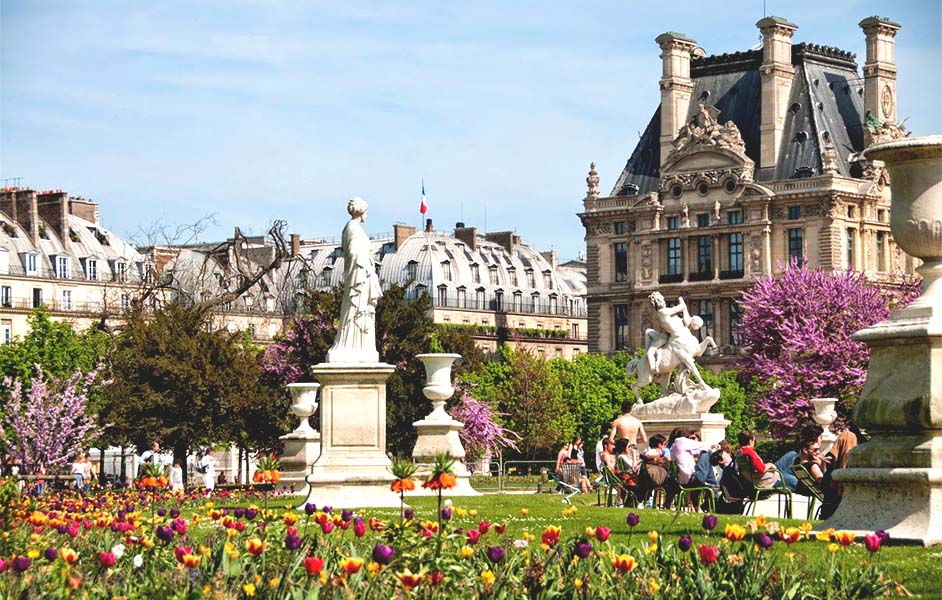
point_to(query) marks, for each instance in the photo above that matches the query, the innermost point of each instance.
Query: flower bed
(135, 544)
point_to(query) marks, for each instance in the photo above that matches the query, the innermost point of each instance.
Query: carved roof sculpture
(704, 129)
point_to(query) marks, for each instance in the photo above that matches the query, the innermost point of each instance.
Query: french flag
(423, 205)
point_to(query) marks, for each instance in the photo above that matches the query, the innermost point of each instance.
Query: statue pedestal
(710, 426)
(438, 432)
(301, 450)
(352, 470)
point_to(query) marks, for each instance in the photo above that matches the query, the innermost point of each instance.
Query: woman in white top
(176, 478)
(78, 469)
(207, 467)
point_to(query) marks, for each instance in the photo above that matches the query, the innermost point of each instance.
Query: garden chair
(688, 495)
(761, 493)
(626, 494)
(568, 483)
(805, 478)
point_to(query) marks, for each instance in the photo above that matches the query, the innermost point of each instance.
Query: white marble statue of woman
(356, 333)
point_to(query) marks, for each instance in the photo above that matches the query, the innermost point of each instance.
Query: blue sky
(257, 110)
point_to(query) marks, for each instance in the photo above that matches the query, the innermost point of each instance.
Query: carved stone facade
(704, 214)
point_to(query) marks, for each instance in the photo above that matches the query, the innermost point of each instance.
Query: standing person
(600, 447)
(561, 458)
(577, 456)
(207, 467)
(151, 455)
(78, 471)
(176, 478)
(627, 426)
(91, 472)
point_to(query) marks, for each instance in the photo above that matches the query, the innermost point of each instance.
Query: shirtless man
(627, 426)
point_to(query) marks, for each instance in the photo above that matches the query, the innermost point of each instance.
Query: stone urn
(438, 387)
(825, 414)
(894, 481)
(303, 405)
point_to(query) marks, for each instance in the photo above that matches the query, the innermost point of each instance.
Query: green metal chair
(687, 494)
(617, 485)
(805, 477)
(760, 493)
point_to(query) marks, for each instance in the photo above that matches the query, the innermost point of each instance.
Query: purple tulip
(383, 554)
(764, 541)
(709, 522)
(21, 563)
(62, 528)
(174, 513)
(328, 509)
(446, 514)
(346, 515)
(632, 519)
(250, 513)
(582, 549)
(292, 542)
(161, 512)
(164, 534)
(51, 553)
(409, 514)
(309, 509)
(684, 543)
(883, 535)
(495, 553)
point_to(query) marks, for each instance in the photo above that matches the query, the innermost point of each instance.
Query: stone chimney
(505, 239)
(428, 226)
(777, 75)
(468, 235)
(676, 86)
(295, 244)
(26, 213)
(879, 70)
(401, 233)
(550, 256)
(84, 209)
(53, 206)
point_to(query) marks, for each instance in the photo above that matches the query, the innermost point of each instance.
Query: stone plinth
(353, 469)
(303, 445)
(710, 426)
(438, 432)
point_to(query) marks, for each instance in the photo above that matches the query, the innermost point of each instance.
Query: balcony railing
(507, 305)
(701, 276)
(527, 333)
(731, 274)
(675, 278)
(43, 272)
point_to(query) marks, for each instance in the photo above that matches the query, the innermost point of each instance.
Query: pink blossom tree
(48, 424)
(796, 336)
(482, 433)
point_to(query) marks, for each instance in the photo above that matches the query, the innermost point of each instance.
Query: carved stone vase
(304, 404)
(894, 481)
(825, 414)
(303, 445)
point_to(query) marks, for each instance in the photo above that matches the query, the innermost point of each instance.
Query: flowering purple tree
(305, 343)
(48, 424)
(796, 332)
(482, 434)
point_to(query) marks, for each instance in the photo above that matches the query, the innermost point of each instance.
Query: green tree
(594, 387)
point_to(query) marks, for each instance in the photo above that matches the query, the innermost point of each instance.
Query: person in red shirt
(752, 467)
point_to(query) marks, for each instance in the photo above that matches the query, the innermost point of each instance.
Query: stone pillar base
(301, 450)
(438, 432)
(352, 470)
(710, 426)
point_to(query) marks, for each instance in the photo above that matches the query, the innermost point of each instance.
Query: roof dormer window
(91, 269)
(62, 267)
(31, 263)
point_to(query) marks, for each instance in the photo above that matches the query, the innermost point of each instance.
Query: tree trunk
(179, 457)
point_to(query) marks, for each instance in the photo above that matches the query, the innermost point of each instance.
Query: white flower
(118, 550)
(521, 543)
(138, 561)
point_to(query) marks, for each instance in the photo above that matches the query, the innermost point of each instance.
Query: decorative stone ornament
(303, 405)
(824, 415)
(593, 182)
(894, 481)
(303, 445)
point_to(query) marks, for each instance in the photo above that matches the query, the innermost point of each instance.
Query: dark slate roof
(826, 104)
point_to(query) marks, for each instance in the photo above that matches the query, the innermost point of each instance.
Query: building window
(881, 215)
(621, 327)
(703, 220)
(796, 244)
(735, 317)
(91, 269)
(794, 213)
(518, 302)
(493, 275)
(734, 217)
(125, 302)
(735, 252)
(850, 212)
(37, 297)
(6, 331)
(673, 256)
(535, 303)
(621, 262)
(575, 331)
(31, 264)
(446, 270)
(120, 271)
(481, 299)
(462, 298)
(850, 248)
(325, 277)
(499, 301)
(531, 280)
(704, 254)
(705, 312)
(475, 273)
(513, 276)
(619, 228)
(412, 269)
(66, 299)
(672, 223)
(553, 306)
(881, 261)
(62, 267)
(547, 279)
(559, 353)
(6, 296)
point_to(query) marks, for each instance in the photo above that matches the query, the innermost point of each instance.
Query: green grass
(916, 568)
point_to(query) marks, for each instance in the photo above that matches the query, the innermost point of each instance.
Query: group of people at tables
(683, 460)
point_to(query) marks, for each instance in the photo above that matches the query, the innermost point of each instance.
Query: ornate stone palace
(752, 159)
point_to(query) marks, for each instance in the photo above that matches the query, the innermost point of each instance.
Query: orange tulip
(410, 580)
(624, 563)
(351, 565)
(844, 538)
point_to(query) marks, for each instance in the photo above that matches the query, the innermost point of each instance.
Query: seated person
(732, 486)
(627, 464)
(607, 455)
(759, 472)
(657, 452)
(686, 449)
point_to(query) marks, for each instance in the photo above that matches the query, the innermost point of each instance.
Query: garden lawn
(917, 568)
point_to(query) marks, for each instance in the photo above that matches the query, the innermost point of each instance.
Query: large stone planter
(303, 445)
(438, 432)
(894, 482)
(825, 414)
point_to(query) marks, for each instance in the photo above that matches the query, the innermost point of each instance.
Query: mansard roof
(826, 105)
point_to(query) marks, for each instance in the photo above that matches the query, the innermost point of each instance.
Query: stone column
(879, 71)
(777, 75)
(894, 482)
(676, 86)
